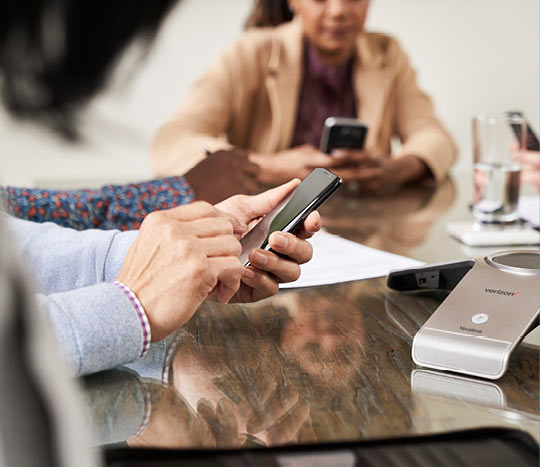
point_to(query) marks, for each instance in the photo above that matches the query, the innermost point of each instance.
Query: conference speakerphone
(493, 304)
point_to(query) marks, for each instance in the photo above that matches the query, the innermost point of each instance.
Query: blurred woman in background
(272, 90)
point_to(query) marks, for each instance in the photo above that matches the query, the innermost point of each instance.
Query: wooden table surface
(321, 364)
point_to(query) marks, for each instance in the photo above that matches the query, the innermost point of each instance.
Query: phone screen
(317, 187)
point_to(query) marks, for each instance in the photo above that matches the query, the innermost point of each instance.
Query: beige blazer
(249, 99)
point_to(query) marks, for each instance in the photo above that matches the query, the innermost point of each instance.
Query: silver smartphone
(289, 215)
(345, 133)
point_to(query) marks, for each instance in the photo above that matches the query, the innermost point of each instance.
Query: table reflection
(260, 374)
(395, 223)
(471, 390)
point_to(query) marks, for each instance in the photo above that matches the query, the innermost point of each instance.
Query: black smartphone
(340, 132)
(532, 142)
(289, 215)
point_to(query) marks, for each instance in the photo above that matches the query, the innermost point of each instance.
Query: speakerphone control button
(479, 318)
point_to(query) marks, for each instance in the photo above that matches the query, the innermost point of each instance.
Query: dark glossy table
(321, 364)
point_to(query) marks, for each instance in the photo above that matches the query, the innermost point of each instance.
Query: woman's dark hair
(55, 54)
(269, 13)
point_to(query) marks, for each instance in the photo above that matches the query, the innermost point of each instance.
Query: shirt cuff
(143, 319)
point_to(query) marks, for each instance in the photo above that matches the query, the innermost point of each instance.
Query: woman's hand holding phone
(267, 270)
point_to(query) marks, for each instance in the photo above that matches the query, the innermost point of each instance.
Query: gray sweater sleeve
(95, 323)
(97, 327)
(63, 259)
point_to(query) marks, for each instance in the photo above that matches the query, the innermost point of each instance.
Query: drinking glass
(496, 174)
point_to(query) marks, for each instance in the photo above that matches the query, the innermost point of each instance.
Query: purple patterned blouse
(325, 92)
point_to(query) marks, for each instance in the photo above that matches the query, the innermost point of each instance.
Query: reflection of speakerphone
(467, 390)
(493, 304)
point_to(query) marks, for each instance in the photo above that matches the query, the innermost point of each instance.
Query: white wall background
(471, 55)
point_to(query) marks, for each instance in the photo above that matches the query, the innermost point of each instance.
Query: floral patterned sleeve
(110, 207)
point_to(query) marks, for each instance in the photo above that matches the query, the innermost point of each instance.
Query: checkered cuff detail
(145, 326)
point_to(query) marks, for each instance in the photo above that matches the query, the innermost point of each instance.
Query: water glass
(496, 174)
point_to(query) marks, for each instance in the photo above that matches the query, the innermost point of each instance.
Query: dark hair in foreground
(56, 54)
(269, 13)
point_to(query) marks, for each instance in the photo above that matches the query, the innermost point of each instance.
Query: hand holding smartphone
(289, 215)
(532, 142)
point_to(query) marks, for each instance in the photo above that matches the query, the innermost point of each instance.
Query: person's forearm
(110, 207)
(63, 259)
(434, 147)
(130, 204)
(409, 168)
(96, 327)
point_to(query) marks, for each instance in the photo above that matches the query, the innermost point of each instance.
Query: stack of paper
(338, 260)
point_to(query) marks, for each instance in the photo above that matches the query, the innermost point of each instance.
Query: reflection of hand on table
(239, 402)
(172, 423)
(222, 421)
(324, 345)
(278, 419)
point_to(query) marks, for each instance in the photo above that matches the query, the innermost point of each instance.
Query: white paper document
(337, 260)
(528, 208)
